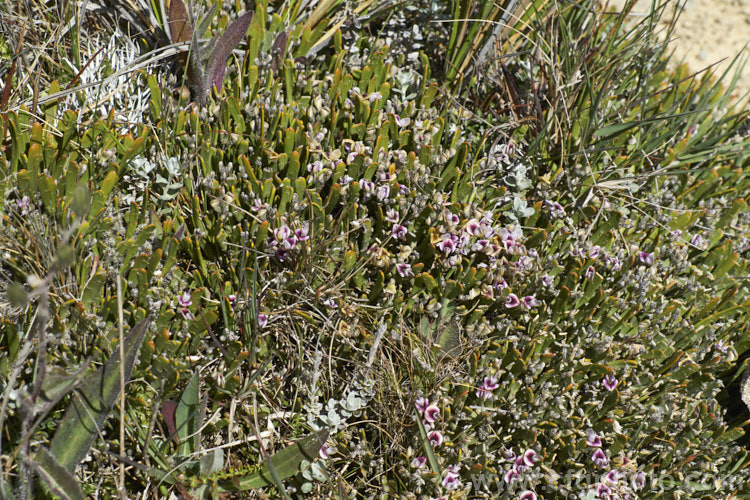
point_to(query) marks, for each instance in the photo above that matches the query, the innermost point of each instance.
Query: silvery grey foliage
(745, 388)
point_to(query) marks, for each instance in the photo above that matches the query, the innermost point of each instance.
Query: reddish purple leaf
(232, 37)
(168, 409)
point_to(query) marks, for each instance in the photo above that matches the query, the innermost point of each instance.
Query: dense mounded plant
(384, 258)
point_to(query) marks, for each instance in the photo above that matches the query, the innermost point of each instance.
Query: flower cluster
(613, 483)
(430, 413)
(519, 465)
(285, 240)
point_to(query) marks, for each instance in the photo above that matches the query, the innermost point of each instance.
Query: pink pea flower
(436, 438)
(399, 231)
(508, 456)
(185, 300)
(402, 122)
(404, 270)
(610, 382)
(530, 457)
(315, 167)
(262, 320)
(451, 218)
(447, 244)
(530, 301)
(593, 439)
(23, 204)
(451, 480)
(418, 462)
(556, 210)
(639, 481)
(519, 465)
(383, 192)
(600, 458)
(589, 274)
(646, 258)
(511, 476)
(499, 285)
(602, 491)
(512, 300)
(698, 241)
(422, 404)
(302, 234)
(473, 227)
(527, 495)
(431, 413)
(490, 384)
(612, 477)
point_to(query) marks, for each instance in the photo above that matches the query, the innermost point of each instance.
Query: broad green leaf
(92, 403)
(59, 480)
(188, 418)
(286, 464)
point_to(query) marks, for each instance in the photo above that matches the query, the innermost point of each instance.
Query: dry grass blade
(180, 28)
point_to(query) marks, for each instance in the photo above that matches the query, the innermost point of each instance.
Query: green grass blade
(434, 465)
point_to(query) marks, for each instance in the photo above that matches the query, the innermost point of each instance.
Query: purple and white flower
(436, 438)
(512, 301)
(399, 232)
(593, 439)
(610, 382)
(600, 458)
(404, 270)
(489, 385)
(451, 480)
(185, 300)
(646, 258)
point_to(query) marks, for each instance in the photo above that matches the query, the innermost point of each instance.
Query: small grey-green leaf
(65, 257)
(57, 383)
(448, 339)
(212, 462)
(17, 295)
(81, 203)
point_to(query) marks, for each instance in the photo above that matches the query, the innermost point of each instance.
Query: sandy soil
(708, 31)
